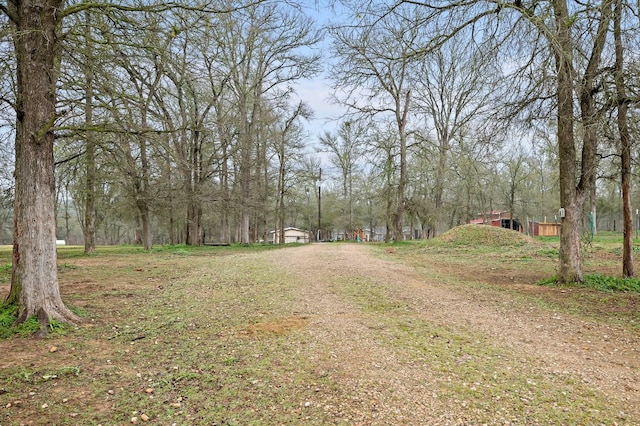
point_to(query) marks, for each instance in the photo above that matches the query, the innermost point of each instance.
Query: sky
(316, 92)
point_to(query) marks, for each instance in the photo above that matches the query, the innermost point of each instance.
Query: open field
(453, 331)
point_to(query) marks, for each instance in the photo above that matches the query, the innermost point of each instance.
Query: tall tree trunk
(143, 201)
(388, 217)
(90, 153)
(570, 267)
(401, 114)
(572, 196)
(245, 191)
(280, 214)
(246, 149)
(140, 176)
(593, 209)
(438, 191)
(625, 146)
(194, 227)
(225, 209)
(34, 281)
(194, 209)
(262, 181)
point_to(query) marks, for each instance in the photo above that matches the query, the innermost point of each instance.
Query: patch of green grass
(195, 352)
(371, 297)
(8, 328)
(473, 371)
(554, 239)
(7, 315)
(5, 272)
(32, 376)
(490, 381)
(483, 235)
(605, 283)
(62, 267)
(549, 252)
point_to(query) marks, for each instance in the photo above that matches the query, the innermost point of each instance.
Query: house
(291, 235)
(500, 219)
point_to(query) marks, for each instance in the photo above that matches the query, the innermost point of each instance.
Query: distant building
(544, 229)
(291, 235)
(498, 218)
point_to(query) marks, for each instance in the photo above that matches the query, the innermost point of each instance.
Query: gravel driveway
(383, 383)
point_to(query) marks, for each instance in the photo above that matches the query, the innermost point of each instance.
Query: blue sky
(316, 92)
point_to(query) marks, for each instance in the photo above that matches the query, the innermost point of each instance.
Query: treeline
(183, 126)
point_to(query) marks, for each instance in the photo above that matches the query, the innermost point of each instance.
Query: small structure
(500, 219)
(291, 235)
(543, 229)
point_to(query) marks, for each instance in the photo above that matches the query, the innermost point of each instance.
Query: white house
(291, 235)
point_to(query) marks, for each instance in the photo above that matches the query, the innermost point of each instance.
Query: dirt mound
(475, 235)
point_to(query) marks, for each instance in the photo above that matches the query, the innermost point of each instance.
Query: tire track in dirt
(601, 355)
(376, 386)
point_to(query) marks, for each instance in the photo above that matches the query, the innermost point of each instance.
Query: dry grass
(488, 236)
(326, 334)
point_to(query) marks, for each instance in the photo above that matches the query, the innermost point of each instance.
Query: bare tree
(264, 51)
(625, 141)
(288, 142)
(36, 33)
(575, 39)
(373, 73)
(382, 155)
(345, 150)
(517, 173)
(459, 86)
(187, 104)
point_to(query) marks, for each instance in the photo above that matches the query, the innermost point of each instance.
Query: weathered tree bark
(625, 145)
(245, 183)
(34, 281)
(225, 210)
(90, 154)
(570, 268)
(193, 177)
(402, 112)
(572, 196)
(388, 217)
(282, 172)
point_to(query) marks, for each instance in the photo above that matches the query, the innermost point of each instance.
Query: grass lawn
(184, 335)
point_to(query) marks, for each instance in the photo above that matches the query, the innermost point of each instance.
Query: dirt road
(321, 334)
(475, 338)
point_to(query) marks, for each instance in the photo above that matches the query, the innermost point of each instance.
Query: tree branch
(12, 16)
(162, 7)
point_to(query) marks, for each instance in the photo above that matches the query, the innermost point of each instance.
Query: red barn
(500, 219)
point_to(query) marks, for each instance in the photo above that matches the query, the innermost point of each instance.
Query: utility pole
(319, 203)
(370, 222)
(308, 232)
